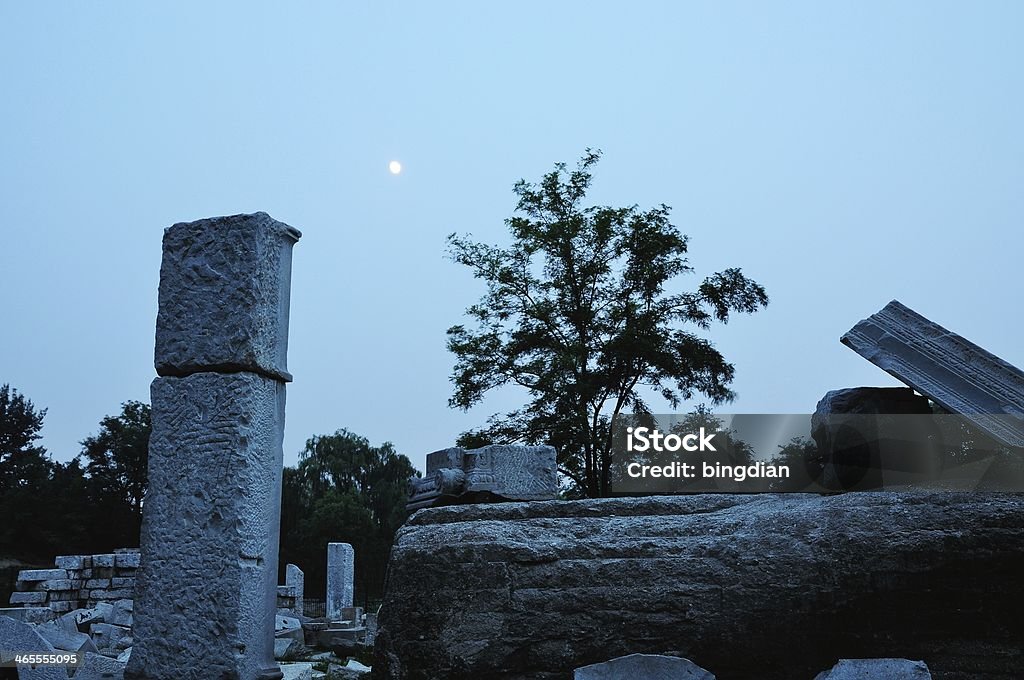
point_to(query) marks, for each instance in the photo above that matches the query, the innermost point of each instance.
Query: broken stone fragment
(17, 636)
(297, 671)
(286, 648)
(98, 667)
(876, 669)
(121, 613)
(488, 474)
(111, 638)
(646, 666)
(62, 638)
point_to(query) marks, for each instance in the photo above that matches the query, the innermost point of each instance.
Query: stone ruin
(518, 590)
(488, 474)
(207, 585)
(936, 364)
(78, 581)
(616, 586)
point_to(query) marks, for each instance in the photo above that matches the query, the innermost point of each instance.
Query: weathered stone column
(207, 585)
(340, 578)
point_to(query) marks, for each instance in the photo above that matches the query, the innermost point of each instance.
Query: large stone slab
(952, 371)
(206, 590)
(29, 614)
(766, 586)
(17, 637)
(341, 567)
(224, 296)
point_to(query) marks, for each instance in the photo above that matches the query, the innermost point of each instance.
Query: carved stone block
(224, 296)
(954, 372)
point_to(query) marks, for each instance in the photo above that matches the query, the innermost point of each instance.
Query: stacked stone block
(79, 581)
(207, 589)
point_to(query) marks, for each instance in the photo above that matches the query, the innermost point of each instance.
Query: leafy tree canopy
(577, 312)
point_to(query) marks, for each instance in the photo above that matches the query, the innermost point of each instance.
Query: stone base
(765, 586)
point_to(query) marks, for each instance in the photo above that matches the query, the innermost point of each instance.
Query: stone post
(340, 578)
(207, 584)
(293, 576)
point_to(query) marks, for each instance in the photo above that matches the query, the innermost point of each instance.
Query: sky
(843, 154)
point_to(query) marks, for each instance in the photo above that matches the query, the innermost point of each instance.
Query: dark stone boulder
(862, 446)
(767, 586)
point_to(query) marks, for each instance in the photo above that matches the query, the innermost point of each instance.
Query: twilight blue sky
(842, 153)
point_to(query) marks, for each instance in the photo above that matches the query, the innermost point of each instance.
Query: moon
(395, 167)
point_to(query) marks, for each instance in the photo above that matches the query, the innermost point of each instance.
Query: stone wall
(79, 581)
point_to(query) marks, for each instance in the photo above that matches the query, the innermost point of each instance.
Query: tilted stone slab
(205, 594)
(954, 372)
(224, 296)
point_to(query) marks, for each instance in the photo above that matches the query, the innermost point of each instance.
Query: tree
(25, 470)
(116, 461)
(578, 313)
(22, 462)
(344, 490)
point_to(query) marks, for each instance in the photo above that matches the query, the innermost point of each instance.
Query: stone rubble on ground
(876, 669)
(645, 666)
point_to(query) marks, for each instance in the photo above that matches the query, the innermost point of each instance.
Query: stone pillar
(207, 584)
(340, 578)
(293, 576)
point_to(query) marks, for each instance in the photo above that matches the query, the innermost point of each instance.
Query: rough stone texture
(953, 371)
(97, 667)
(16, 636)
(490, 473)
(876, 669)
(224, 296)
(340, 578)
(293, 576)
(205, 593)
(297, 671)
(42, 574)
(645, 666)
(29, 614)
(68, 640)
(732, 582)
(77, 583)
